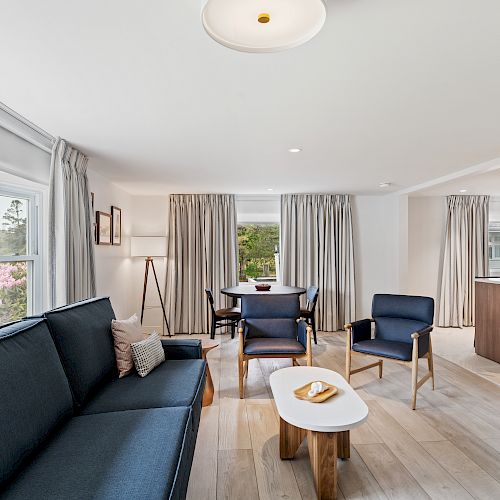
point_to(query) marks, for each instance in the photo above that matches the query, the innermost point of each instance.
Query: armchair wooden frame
(415, 383)
(243, 359)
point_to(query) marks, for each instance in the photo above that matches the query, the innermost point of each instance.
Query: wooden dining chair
(228, 316)
(309, 312)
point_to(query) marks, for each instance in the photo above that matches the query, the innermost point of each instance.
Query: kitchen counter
(487, 340)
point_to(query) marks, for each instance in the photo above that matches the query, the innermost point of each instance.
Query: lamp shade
(263, 25)
(148, 246)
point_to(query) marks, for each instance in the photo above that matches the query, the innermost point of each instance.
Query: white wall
(426, 227)
(376, 235)
(113, 263)
(149, 217)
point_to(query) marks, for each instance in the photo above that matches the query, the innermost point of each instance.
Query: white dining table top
(341, 412)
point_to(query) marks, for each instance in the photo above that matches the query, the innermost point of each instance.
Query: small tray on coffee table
(302, 392)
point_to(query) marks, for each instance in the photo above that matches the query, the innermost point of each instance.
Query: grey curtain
(465, 256)
(317, 249)
(202, 253)
(71, 244)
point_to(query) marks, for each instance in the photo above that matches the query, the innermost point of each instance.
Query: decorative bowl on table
(263, 287)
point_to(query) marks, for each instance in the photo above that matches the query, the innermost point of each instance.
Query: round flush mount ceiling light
(384, 185)
(463, 190)
(263, 25)
(294, 150)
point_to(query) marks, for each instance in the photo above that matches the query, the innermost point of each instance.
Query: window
(494, 248)
(258, 248)
(20, 273)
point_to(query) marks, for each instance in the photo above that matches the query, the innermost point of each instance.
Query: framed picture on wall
(116, 226)
(103, 228)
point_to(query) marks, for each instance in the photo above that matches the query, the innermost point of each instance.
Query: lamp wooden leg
(146, 273)
(414, 374)
(430, 361)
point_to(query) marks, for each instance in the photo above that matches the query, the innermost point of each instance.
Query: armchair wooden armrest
(421, 333)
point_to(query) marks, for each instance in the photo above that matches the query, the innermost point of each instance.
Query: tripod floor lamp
(149, 247)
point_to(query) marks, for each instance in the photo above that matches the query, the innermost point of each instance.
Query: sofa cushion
(173, 383)
(35, 397)
(82, 334)
(137, 454)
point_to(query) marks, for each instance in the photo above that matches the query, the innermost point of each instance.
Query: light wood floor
(448, 448)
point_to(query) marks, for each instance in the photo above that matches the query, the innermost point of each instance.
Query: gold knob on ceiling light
(264, 18)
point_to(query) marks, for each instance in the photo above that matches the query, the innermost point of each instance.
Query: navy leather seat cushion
(140, 454)
(35, 397)
(397, 329)
(386, 349)
(404, 306)
(173, 383)
(270, 306)
(82, 334)
(271, 327)
(273, 346)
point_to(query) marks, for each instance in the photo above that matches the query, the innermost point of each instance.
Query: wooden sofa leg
(380, 368)
(240, 376)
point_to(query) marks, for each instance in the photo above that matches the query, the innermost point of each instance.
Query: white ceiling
(390, 90)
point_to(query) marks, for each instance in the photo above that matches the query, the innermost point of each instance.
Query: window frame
(34, 244)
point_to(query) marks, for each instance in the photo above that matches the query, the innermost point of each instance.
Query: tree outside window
(13, 274)
(258, 251)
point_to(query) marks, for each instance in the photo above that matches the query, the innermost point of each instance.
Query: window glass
(13, 226)
(258, 246)
(18, 261)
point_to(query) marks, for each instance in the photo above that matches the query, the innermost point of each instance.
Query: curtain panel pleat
(71, 243)
(317, 249)
(465, 257)
(202, 253)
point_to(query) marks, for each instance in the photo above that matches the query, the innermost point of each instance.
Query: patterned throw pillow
(147, 354)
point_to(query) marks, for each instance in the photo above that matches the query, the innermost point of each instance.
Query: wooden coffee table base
(324, 448)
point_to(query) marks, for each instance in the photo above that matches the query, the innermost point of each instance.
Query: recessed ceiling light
(384, 185)
(463, 190)
(270, 189)
(294, 150)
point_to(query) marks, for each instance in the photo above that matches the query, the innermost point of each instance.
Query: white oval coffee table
(326, 424)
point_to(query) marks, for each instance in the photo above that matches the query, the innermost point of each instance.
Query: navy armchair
(403, 325)
(270, 328)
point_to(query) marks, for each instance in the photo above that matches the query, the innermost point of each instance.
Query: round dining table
(236, 292)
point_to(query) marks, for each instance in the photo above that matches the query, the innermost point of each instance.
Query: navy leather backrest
(270, 306)
(82, 334)
(35, 397)
(271, 316)
(398, 316)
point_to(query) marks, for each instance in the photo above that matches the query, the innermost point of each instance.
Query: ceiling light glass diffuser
(263, 25)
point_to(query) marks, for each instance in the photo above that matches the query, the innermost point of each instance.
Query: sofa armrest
(361, 330)
(182, 349)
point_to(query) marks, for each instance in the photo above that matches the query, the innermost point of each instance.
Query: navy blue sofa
(71, 429)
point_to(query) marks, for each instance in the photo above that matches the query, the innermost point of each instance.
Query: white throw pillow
(147, 354)
(126, 332)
